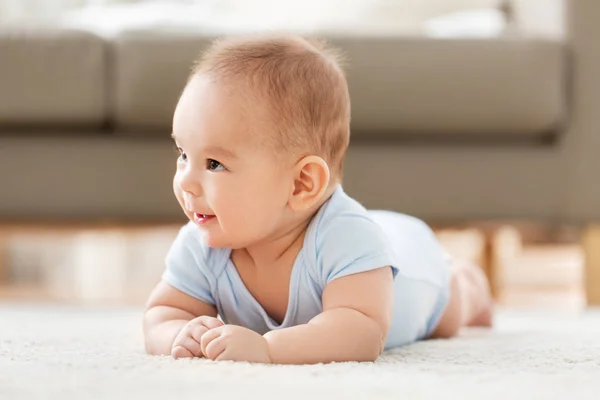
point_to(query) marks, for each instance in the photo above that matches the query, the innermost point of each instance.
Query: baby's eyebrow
(221, 151)
(216, 150)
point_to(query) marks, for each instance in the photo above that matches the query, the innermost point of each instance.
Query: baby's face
(233, 188)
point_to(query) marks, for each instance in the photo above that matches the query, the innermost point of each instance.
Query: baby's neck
(282, 249)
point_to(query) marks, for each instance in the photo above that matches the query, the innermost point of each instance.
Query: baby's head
(262, 128)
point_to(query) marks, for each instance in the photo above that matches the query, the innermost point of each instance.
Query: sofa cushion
(125, 178)
(150, 72)
(460, 86)
(52, 77)
(399, 85)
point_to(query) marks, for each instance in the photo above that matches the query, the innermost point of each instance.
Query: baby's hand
(187, 342)
(235, 343)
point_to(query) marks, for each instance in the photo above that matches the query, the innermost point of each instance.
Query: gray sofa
(447, 130)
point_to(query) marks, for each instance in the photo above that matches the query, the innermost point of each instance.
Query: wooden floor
(591, 244)
(120, 264)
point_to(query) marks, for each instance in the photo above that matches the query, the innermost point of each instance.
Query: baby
(297, 270)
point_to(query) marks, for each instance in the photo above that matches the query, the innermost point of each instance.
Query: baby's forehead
(236, 114)
(239, 94)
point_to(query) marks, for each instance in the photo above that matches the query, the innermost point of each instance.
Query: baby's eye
(182, 155)
(214, 165)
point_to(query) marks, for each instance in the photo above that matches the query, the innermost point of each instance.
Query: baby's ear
(311, 179)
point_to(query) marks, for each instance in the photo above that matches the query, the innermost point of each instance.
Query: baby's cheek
(178, 192)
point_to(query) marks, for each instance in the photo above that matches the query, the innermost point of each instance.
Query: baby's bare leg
(470, 301)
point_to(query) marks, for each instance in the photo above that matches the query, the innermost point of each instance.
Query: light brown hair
(302, 83)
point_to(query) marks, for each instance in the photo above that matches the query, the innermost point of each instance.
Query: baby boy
(296, 270)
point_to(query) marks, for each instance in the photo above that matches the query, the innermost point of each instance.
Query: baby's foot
(485, 318)
(481, 295)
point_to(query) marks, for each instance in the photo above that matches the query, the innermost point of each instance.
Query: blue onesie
(342, 239)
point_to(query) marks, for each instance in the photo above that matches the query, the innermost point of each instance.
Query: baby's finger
(191, 345)
(197, 331)
(181, 352)
(207, 338)
(209, 322)
(215, 349)
(176, 342)
(183, 333)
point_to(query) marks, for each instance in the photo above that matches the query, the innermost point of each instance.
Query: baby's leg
(470, 301)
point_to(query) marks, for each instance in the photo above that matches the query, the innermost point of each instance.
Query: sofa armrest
(583, 139)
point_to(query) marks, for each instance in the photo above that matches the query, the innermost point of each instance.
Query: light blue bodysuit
(343, 238)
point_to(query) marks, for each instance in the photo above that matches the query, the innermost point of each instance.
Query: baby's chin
(217, 241)
(212, 242)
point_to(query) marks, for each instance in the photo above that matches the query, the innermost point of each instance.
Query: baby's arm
(168, 312)
(353, 326)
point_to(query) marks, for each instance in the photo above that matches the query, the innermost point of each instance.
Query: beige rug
(53, 352)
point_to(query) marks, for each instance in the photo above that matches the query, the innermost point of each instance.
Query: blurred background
(477, 116)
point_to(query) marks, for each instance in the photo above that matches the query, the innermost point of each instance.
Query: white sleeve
(351, 245)
(186, 268)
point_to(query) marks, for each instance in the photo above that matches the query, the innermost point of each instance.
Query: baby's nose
(189, 186)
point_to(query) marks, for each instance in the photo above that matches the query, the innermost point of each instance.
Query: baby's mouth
(203, 218)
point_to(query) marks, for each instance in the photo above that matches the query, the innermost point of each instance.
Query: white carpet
(84, 353)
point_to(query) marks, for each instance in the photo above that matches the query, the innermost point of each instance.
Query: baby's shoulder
(343, 224)
(344, 239)
(341, 212)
